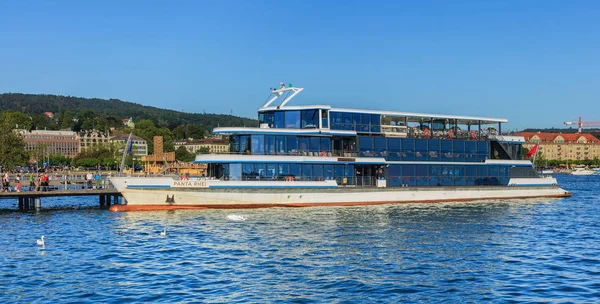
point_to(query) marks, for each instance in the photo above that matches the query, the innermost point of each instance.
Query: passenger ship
(322, 155)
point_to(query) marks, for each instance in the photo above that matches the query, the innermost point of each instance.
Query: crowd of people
(41, 181)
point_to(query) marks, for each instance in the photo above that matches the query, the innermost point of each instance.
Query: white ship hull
(164, 193)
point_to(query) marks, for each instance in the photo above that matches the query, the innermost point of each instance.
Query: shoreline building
(563, 146)
(139, 145)
(214, 145)
(49, 142)
(88, 139)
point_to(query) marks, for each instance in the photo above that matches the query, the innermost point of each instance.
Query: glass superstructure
(361, 147)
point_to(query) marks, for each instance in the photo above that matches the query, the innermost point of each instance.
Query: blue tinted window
(272, 170)
(235, 171)
(349, 174)
(329, 174)
(365, 121)
(280, 147)
(307, 173)
(394, 149)
(318, 172)
(292, 144)
(422, 175)
(447, 153)
(460, 175)
(266, 118)
(326, 144)
(375, 123)
(303, 144)
(482, 171)
(310, 119)
(409, 170)
(435, 171)
(380, 145)
(421, 149)
(261, 170)
(408, 149)
(248, 171)
(315, 144)
(347, 121)
(279, 119)
(394, 144)
(434, 149)
(503, 171)
(336, 120)
(284, 169)
(471, 171)
(292, 119)
(366, 145)
(269, 144)
(395, 175)
(245, 144)
(470, 150)
(295, 170)
(459, 150)
(482, 148)
(339, 172)
(493, 171)
(258, 144)
(356, 121)
(447, 175)
(408, 175)
(324, 119)
(234, 144)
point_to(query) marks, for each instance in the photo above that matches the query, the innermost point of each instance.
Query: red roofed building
(563, 146)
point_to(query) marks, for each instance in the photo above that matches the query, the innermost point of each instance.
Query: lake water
(524, 251)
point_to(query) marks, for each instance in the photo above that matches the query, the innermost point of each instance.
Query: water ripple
(513, 251)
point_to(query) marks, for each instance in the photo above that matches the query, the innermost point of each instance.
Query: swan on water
(41, 242)
(164, 232)
(235, 217)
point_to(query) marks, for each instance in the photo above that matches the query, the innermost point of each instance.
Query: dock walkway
(32, 199)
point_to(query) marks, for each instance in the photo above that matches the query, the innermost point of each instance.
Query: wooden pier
(33, 199)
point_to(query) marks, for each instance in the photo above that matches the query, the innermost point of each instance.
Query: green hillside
(115, 110)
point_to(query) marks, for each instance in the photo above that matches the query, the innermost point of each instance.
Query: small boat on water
(547, 171)
(582, 171)
(319, 155)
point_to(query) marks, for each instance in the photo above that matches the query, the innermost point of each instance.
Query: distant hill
(40, 103)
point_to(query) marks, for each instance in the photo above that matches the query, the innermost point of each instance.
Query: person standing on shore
(18, 186)
(88, 178)
(45, 184)
(5, 182)
(31, 182)
(97, 179)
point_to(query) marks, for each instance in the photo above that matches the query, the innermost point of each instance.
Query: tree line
(26, 111)
(112, 111)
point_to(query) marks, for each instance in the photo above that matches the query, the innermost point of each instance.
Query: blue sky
(534, 62)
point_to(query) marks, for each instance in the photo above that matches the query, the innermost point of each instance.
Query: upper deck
(325, 120)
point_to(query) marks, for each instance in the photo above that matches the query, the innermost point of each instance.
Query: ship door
(366, 175)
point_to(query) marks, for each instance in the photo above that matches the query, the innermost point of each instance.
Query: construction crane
(581, 124)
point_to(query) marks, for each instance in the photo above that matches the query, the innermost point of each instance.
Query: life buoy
(473, 134)
(451, 133)
(323, 153)
(289, 178)
(184, 177)
(427, 133)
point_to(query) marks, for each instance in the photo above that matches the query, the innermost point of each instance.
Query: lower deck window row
(396, 175)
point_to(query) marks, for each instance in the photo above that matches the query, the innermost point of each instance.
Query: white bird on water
(164, 232)
(235, 217)
(41, 242)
